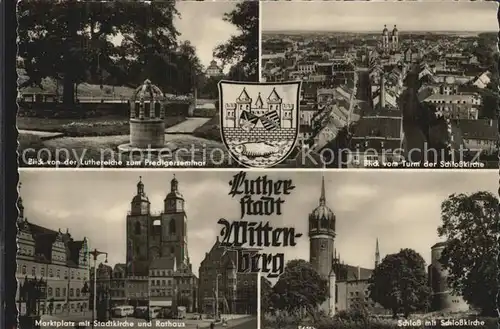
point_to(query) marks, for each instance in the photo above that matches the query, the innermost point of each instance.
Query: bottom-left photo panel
(128, 249)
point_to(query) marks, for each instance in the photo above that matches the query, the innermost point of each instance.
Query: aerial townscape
(391, 95)
(60, 278)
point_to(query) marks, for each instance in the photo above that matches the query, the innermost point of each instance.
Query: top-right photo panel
(388, 84)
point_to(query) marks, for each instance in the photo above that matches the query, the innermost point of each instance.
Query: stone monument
(147, 119)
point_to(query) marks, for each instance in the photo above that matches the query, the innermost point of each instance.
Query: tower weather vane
(247, 238)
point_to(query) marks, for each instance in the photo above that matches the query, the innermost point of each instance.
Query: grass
(210, 130)
(101, 126)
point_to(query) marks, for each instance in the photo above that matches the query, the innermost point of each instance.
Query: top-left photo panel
(129, 84)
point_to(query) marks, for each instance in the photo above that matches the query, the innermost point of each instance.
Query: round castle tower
(442, 297)
(321, 250)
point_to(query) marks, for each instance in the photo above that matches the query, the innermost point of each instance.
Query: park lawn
(100, 126)
(209, 130)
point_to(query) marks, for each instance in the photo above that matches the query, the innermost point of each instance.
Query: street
(241, 323)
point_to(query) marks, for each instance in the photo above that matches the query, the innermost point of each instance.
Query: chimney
(382, 91)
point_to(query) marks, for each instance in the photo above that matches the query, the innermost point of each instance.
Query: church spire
(377, 254)
(140, 187)
(20, 205)
(322, 198)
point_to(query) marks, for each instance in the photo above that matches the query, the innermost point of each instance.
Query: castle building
(213, 70)
(442, 297)
(347, 284)
(222, 288)
(390, 41)
(60, 261)
(157, 252)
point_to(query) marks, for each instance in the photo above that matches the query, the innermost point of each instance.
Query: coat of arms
(259, 121)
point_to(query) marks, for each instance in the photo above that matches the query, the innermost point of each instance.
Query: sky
(400, 208)
(361, 16)
(201, 23)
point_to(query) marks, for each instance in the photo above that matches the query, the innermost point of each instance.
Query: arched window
(171, 226)
(157, 109)
(23, 269)
(137, 228)
(58, 292)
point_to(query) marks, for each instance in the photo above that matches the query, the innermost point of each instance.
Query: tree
(470, 225)
(266, 291)
(299, 287)
(78, 41)
(242, 50)
(399, 283)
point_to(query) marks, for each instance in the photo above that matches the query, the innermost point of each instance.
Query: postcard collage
(257, 164)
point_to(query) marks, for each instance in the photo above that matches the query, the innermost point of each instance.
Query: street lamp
(96, 253)
(217, 296)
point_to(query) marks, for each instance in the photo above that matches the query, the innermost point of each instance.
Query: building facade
(157, 251)
(222, 289)
(60, 261)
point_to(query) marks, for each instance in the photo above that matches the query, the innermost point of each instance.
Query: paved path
(41, 134)
(187, 127)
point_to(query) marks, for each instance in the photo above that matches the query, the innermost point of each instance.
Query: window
(23, 269)
(71, 292)
(72, 275)
(42, 271)
(64, 291)
(33, 271)
(172, 226)
(58, 273)
(77, 292)
(49, 292)
(58, 292)
(51, 273)
(147, 109)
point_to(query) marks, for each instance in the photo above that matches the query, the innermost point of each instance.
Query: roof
(378, 127)
(440, 244)
(477, 129)
(346, 272)
(44, 239)
(450, 98)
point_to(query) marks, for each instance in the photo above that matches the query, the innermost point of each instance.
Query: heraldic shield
(259, 121)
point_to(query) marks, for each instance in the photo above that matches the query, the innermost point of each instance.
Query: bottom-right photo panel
(379, 249)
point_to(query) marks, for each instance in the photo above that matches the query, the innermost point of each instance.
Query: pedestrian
(212, 325)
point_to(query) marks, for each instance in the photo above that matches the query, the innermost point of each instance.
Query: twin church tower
(152, 236)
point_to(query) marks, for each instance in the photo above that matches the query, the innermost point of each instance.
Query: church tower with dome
(322, 249)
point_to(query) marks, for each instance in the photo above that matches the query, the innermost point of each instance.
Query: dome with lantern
(322, 219)
(148, 92)
(141, 195)
(385, 31)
